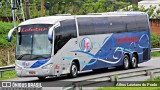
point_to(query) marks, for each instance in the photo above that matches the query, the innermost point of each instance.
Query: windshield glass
(32, 42)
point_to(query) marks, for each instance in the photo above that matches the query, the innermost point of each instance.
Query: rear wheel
(134, 61)
(73, 70)
(125, 62)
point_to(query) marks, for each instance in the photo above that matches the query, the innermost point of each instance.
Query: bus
(67, 45)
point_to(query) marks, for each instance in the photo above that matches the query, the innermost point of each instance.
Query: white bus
(57, 45)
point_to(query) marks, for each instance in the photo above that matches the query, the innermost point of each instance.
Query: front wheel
(73, 70)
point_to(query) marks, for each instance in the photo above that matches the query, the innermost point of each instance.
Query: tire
(41, 78)
(73, 70)
(125, 65)
(134, 61)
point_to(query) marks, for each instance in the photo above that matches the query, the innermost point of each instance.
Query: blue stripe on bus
(39, 63)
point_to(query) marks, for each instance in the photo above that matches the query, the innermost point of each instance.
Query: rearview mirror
(10, 34)
(50, 32)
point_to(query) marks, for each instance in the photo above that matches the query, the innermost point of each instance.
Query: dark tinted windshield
(32, 42)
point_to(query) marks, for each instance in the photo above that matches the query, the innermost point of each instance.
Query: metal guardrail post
(2, 74)
(151, 75)
(6, 68)
(78, 86)
(111, 78)
(114, 79)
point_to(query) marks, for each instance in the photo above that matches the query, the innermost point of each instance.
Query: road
(56, 83)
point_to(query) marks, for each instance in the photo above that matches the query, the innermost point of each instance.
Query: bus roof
(54, 19)
(46, 20)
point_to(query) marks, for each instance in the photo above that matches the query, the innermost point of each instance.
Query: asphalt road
(56, 83)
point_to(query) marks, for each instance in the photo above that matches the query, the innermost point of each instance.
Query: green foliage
(152, 11)
(9, 75)
(157, 79)
(130, 88)
(155, 54)
(76, 6)
(155, 40)
(4, 29)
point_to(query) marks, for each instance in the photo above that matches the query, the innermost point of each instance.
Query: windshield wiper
(39, 56)
(20, 57)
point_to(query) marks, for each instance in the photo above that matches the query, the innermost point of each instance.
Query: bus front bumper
(34, 72)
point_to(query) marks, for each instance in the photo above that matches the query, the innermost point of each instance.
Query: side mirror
(50, 32)
(10, 34)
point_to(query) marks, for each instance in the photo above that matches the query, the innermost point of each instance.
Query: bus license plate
(32, 72)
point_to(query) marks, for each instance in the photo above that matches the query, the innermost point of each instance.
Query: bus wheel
(73, 70)
(125, 62)
(41, 78)
(134, 61)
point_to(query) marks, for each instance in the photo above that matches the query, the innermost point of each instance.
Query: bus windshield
(32, 42)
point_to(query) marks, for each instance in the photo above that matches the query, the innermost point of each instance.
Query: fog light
(48, 66)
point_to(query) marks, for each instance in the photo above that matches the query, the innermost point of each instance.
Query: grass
(9, 75)
(130, 88)
(155, 54)
(157, 79)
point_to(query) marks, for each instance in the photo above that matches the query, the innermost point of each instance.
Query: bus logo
(25, 64)
(86, 45)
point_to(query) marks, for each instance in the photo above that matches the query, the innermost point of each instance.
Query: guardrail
(112, 77)
(6, 68)
(155, 50)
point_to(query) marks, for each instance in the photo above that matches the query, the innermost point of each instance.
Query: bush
(4, 29)
(155, 41)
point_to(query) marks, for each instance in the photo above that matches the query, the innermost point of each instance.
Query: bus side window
(130, 23)
(116, 24)
(57, 39)
(142, 23)
(85, 25)
(100, 25)
(64, 33)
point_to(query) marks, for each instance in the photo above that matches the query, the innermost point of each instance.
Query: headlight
(17, 67)
(48, 66)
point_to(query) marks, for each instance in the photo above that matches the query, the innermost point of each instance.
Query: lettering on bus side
(126, 39)
(33, 29)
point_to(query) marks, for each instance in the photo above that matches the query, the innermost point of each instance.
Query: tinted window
(142, 22)
(130, 23)
(100, 25)
(116, 24)
(68, 28)
(64, 33)
(85, 25)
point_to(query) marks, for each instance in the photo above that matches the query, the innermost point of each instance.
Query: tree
(42, 7)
